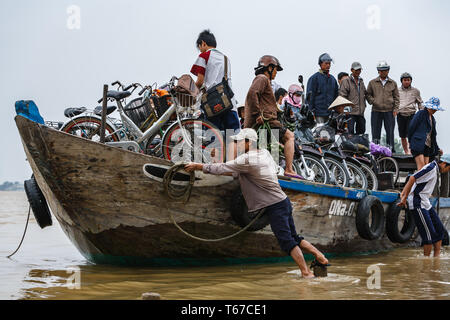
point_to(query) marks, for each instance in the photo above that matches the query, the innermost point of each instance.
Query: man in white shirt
(416, 194)
(210, 70)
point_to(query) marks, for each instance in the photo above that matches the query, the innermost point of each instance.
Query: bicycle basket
(185, 100)
(324, 135)
(141, 113)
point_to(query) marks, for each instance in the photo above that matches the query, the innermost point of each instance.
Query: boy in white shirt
(416, 195)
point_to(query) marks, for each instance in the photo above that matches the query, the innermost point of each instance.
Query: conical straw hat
(340, 101)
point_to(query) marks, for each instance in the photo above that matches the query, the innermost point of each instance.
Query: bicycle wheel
(196, 140)
(358, 179)
(89, 128)
(388, 165)
(338, 174)
(372, 180)
(153, 146)
(314, 171)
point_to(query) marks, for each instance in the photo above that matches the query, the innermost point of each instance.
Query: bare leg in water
(297, 255)
(428, 247)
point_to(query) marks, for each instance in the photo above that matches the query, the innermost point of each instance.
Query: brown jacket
(409, 101)
(350, 91)
(383, 99)
(260, 100)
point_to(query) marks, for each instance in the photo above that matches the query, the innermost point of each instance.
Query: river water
(48, 266)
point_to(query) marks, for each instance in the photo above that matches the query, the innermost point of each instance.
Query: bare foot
(309, 275)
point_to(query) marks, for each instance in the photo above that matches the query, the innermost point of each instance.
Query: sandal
(295, 176)
(319, 269)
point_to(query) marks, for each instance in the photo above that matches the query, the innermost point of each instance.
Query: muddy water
(48, 266)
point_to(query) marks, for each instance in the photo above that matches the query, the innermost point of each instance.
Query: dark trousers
(227, 120)
(429, 225)
(357, 124)
(377, 120)
(282, 225)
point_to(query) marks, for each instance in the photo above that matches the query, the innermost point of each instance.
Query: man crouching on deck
(257, 172)
(417, 194)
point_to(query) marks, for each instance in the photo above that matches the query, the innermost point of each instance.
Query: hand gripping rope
(184, 193)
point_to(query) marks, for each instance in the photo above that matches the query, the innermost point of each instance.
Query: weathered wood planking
(109, 208)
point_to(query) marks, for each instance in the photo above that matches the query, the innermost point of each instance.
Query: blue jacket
(417, 132)
(321, 91)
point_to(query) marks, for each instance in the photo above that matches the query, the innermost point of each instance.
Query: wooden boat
(114, 213)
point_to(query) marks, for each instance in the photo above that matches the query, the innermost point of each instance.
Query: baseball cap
(356, 66)
(445, 158)
(247, 133)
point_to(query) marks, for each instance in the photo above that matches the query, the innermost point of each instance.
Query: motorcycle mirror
(300, 79)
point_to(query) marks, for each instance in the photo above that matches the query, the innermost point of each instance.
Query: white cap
(247, 133)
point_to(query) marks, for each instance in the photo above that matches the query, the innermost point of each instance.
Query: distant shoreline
(11, 186)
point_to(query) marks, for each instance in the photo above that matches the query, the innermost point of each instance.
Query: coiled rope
(183, 193)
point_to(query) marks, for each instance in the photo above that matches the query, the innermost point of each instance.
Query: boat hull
(113, 213)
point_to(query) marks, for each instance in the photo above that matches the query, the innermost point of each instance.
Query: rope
(184, 193)
(24, 232)
(177, 193)
(218, 239)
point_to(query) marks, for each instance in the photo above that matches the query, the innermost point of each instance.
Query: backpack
(29, 110)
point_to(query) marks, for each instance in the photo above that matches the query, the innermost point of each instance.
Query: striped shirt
(423, 187)
(211, 64)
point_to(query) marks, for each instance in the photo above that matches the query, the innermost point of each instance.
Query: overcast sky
(46, 58)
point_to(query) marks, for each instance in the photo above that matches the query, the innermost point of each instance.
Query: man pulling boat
(257, 173)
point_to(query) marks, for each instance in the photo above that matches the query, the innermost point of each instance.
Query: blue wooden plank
(443, 202)
(337, 192)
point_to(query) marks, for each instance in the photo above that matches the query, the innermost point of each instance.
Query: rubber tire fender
(392, 231)
(240, 214)
(38, 203)
(366, 230)
(445, 241)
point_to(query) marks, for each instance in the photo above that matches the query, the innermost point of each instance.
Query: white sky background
(147, 41)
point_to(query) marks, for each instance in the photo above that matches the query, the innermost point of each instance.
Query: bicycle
(186, 130)
(86, 123)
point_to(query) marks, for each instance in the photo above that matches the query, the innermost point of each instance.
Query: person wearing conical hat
(422, 133)
(416, 196)
(338, 113)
